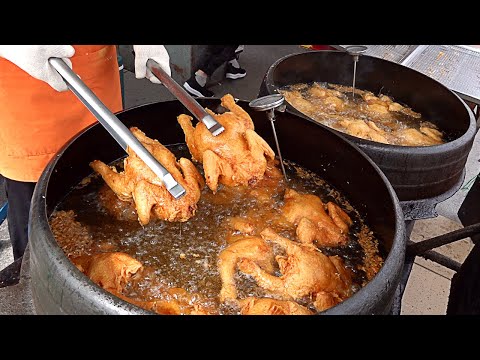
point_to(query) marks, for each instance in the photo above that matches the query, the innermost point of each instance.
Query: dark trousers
(214, 56)
(464, 298)
(19, 196)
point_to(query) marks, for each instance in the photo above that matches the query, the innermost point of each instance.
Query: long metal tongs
(185, 98)
(114, 126)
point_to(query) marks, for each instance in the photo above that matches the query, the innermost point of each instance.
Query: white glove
(154, 52)
(33, 59)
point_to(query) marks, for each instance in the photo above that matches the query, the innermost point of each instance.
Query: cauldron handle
(114, 126)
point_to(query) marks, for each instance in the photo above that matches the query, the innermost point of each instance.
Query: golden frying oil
(185, 254)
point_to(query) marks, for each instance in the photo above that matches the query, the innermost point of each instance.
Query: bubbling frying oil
(184, 254)
(376, 118)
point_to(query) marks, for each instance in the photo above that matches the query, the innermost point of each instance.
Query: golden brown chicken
(254, 249)
(267, 306)
(306, 273)
(375, 118)
(432, 133)
(262, 211)
(112, 271)
(242, 225)
(175, 301)
(384, 104)
(308, 213)
(139, 182)
(413, 137)
(297, 100)
(365, 130)
(237, 156)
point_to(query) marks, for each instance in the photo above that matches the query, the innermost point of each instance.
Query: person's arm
(154, 52)
(33, 59)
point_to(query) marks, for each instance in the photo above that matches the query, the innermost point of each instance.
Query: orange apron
(36, 121)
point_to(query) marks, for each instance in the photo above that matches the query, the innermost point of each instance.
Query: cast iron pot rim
(397, 149)
(379, 282)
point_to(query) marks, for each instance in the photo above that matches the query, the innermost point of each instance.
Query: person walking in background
(214, 57)
(38, 115)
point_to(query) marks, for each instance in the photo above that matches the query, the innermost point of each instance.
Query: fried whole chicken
(112, 271)
(308, 213)
(237, 156)
(253, 248)
(306, 273)
(140, 183)
(367, 116)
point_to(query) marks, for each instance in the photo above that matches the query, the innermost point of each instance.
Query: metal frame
(416, 56)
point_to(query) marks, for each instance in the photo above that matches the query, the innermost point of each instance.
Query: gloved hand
(154, 52)
(33, 59)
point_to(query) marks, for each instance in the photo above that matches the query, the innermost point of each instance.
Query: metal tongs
(114, 126)
(185, 98)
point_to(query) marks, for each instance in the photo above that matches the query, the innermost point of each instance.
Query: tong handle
(114, 126)
(185, 98)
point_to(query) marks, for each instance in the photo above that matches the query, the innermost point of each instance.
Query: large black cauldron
(414, 172)
(58, 287)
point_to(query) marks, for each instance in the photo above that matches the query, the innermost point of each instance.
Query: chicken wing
(254, 249)
(140, 183)
(306, 272)
(308, 213)
(237, 156)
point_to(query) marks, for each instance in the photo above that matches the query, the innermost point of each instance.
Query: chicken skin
(140, 183)
(413, 137)
(432, 133)
(308, 213)
(112, 271)
(237, 156)
(267, 306)
(297, 100)
(175, 301)
(365, 130)
(253, 248)
(384, 104)
(306, 273)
